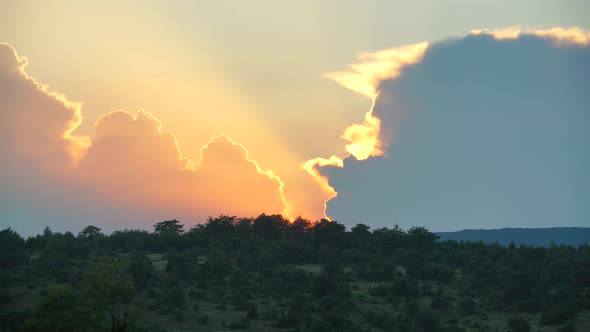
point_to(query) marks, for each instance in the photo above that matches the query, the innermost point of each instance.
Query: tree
(61, 309)
(329, 233)
(361, 232)
(90, 232)
(109, 288)
(220, 227)
(141, 268)
(169, 226)
(421, 238)
(11, 245)
(47, 232)
(299, 228)
(269, 226)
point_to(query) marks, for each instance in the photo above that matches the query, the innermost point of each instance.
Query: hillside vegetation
(270, 274)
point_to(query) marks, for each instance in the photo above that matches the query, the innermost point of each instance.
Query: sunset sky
(125, 113)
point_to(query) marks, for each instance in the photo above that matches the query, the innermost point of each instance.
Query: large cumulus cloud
(487, 130)
(133, 156)
(36, 124)
(130, 173)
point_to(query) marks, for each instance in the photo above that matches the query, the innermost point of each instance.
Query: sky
(131, 112)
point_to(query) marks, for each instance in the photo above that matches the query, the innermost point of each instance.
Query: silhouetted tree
(269, 226)
(90, 232)
(329, 233)
(172, 226)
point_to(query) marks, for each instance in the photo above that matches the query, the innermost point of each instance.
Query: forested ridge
(545, 237)
(272, 274)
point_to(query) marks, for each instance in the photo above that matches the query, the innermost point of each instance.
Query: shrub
(242, 323)
(204, 320)
(569, 327)
(559, 313)
(175, 297)
(518, 324)
(252, 312)
(439, 302)
(467, 306)
(426, 321)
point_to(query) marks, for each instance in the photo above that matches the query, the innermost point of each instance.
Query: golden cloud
(571, 35)
(37, 124)
(130, 161)
(364, 77)
(131, 154)
(311, 167)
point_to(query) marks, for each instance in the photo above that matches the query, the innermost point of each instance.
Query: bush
(518, 324)
(240, 324)
(444, 274)
(569, 327)
(252, 312)
(467, 306)
(175, 297)
(319, 325)
(381, 290)
(204, 320)
(197, 294)
(426, 321)
(559, 313)
(439, 302)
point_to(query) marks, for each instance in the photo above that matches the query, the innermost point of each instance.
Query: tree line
(263, 270)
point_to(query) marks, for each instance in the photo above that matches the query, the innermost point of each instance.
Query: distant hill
(574, 236)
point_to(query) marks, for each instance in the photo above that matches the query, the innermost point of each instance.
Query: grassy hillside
(266, 274)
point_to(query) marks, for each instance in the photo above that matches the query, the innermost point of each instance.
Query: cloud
(364, 139)
(129, 169)
(364, 77)
(36, 124)
(572, 35)
(133, 156)
(236, 182)
(485, 130)
(312, 167)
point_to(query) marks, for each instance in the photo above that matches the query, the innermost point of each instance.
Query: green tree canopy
(109, 287)
(61, 309)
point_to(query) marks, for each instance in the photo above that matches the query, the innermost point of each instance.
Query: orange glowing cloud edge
(364, 78)
(79, 143)
(190, 165)
(311, 165)
(269, 173)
